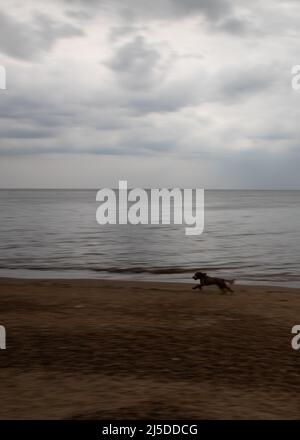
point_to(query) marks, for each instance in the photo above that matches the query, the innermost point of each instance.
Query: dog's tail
(230, 281)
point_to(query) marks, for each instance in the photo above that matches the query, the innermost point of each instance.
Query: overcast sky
(190, 93)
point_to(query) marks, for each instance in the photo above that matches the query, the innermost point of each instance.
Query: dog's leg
(228, 288)
(222, 287)
(198, 286)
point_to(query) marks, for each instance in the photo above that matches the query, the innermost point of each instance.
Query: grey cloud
(229, 86)
(170, 98)
(150, 101)
(276, 135)
(212, 9)
(221, 15)
(24, 133)
(28, 40)
(236, 83)
(235, 26)
(159, 9)
(137, 64)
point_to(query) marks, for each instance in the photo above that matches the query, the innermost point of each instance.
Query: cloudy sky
(192, 93)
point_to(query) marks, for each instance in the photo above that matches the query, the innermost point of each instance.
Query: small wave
(112, 269)
(241, 273)
(150, 270)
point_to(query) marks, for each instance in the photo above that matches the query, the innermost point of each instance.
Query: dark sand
(103, 349)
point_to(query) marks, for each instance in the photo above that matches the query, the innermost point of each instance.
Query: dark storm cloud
(27, 40)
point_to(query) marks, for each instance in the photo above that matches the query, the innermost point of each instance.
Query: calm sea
(253, 236)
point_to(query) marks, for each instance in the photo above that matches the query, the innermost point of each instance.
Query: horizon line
(129, 188)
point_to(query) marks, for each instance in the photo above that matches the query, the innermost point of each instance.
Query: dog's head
(198, 275)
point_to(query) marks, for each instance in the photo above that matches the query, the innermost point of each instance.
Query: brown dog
(205, 280)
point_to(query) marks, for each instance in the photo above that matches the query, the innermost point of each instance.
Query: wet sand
(89, 349)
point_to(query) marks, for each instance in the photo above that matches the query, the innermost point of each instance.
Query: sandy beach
(91, 349)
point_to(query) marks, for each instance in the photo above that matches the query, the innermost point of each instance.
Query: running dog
(205, 280)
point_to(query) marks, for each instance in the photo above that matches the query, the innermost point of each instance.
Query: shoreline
(237, 284)
(102, 349)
